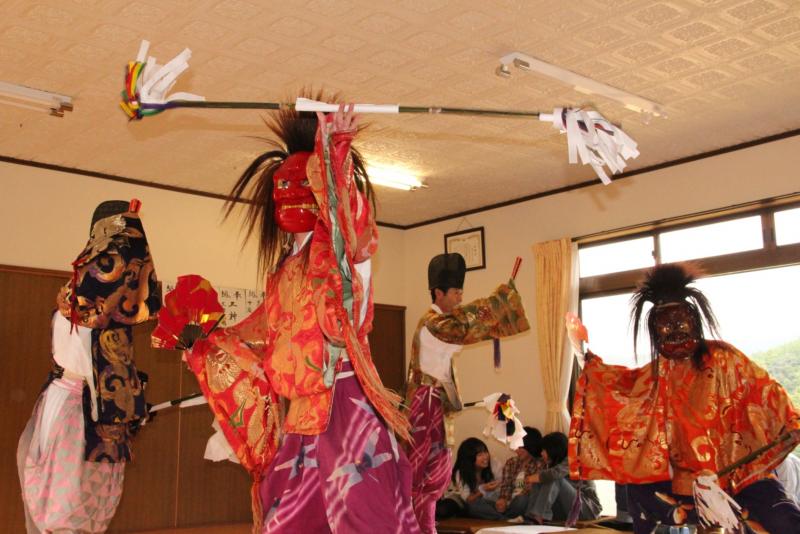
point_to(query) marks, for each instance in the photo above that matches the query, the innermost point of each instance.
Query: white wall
(50, 213)
(753, 173)
(388, 267)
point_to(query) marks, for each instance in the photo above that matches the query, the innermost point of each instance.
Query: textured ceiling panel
(725, 71)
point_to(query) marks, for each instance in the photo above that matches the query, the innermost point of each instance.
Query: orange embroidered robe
(630, 427)
(284, 348)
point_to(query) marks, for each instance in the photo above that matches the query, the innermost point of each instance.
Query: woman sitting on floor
(473, 489)
(552, 493)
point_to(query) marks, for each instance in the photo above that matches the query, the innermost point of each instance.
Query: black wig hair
(555, 445)
(532, 441)
(465, 463)
(667, 284)
(294, 132)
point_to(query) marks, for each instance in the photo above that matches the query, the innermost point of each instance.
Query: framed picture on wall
(468, 243)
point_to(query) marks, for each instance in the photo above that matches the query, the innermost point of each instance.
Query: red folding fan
(191, 311)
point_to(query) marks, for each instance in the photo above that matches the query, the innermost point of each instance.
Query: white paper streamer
(714, 506)
(155, 80)
(306, 104)
(599, 144)
(217, 448)
(497, 429)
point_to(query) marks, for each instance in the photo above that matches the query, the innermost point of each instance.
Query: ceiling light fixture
(579, 83)
(36, 99)
(394, 177)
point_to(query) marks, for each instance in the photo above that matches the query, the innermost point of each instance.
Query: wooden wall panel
(387, 344)
(208, 492)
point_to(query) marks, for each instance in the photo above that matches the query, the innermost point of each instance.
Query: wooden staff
(755, 454)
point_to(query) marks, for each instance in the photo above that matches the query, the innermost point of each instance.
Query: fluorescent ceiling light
(579, 83)
(395, 177)
(36, 99)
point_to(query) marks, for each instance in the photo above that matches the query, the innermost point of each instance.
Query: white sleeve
(218, 448)
(364, 270)
(435, 355)
(72, 350)
(72, 346)
(789, 475)
(462, 488)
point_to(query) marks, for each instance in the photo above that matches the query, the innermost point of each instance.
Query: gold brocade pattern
(630, 427)
(117, 348)
(222, 371)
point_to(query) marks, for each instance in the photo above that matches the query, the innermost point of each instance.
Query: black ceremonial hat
(447, 270)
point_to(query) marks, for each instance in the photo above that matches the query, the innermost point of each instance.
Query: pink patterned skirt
(61, 491)
(352, 478)
(428, 454)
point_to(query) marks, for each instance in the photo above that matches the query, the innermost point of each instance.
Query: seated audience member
(552, 493)
(513, 497)
(473, 486)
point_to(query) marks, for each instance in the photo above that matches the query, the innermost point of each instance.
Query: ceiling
(725, 71)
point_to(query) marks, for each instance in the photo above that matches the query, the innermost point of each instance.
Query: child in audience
(513, 497)
(473, 489)
(552, 493)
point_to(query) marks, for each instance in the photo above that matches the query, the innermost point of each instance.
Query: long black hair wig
(669, 284)
(293, 132)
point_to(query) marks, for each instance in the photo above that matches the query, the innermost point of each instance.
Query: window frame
(770, 255)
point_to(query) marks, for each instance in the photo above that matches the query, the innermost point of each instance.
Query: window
(787, 226)
(618, 256)
(607, 319)
(711, 239)
(757, 311)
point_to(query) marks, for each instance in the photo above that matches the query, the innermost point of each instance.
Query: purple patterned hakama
(352, 478)
(429, 457)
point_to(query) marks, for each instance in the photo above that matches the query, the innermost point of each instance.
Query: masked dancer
(699, 406)
(338, 467)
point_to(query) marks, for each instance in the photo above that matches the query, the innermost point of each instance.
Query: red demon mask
(296, 209)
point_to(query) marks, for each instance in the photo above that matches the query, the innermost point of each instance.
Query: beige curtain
(556, 294)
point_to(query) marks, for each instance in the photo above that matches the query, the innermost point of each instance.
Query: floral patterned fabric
(430, 460)
(631, 426)
(350, 478)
